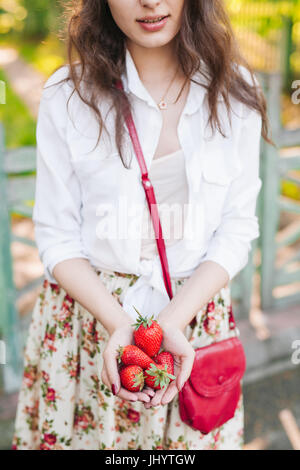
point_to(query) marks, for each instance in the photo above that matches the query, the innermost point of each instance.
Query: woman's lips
(154, 26)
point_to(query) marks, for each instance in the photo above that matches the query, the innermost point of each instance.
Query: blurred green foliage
(291, 190)
(30, 18)
(263, 26)
(45, 56)
(43, 17)
(19, 125)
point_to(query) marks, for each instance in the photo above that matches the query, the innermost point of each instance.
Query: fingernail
(113, 389)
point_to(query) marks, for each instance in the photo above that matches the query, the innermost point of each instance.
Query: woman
(181, 71)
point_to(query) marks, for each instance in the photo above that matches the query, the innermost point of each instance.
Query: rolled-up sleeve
(231, 242)
(56, 212)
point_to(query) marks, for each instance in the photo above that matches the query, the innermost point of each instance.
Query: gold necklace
(162, 104)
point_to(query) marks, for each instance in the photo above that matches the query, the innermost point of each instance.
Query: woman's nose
(150, 3)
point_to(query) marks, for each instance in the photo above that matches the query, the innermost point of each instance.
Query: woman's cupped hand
(174, 341)
(121, 336)
(177, 344)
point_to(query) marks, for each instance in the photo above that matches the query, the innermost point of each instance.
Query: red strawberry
(148, 334)
(157, 376)
(132, 355)
(132, 378)
(163, 358)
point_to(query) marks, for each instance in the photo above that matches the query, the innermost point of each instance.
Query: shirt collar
(132, 83)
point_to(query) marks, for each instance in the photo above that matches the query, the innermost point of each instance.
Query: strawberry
(163, 358)
(157, 376)
(148, 334)
(132, 378)
(132, 355)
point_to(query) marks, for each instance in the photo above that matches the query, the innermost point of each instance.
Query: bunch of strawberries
(142, 364)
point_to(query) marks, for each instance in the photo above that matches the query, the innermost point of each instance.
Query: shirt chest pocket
(99, 178)
(105, 184)
(216, 181)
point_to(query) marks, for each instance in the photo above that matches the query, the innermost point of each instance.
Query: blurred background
(266, 293)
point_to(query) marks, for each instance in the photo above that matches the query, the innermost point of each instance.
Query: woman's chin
(149, 40)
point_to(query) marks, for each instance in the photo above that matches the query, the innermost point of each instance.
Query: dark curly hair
(205, 37)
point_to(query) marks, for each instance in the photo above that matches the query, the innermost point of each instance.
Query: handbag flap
(218, 367)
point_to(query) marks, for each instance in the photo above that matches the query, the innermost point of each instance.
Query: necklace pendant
(162, 104)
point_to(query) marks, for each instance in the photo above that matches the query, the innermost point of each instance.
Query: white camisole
(168, 176)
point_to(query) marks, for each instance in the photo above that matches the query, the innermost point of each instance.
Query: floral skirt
(63, 403)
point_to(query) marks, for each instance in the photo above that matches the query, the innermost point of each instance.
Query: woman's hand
(176, 343)
(121, 336)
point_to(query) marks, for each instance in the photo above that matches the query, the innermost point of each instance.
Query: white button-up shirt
(88, 205)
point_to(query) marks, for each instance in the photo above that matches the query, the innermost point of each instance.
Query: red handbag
(210, 396)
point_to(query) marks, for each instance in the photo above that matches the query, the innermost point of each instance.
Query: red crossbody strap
(151, 200)
(153, 208)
